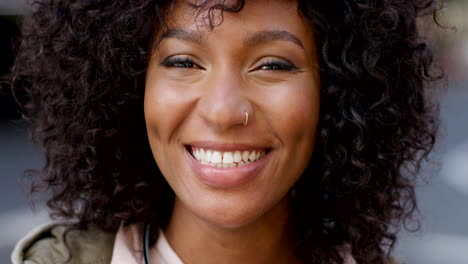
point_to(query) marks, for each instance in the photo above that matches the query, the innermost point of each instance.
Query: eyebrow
(254, 39)
(272, 35)
(182, 34)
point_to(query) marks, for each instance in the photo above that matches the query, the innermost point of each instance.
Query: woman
(225, 131)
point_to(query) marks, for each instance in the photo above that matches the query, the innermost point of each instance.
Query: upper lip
(227, 146)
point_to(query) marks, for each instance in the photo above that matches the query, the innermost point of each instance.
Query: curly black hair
(82, 64)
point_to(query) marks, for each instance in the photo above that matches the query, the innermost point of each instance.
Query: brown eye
(179, 62)
(277, 65)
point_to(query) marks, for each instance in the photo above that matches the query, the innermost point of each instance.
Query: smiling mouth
(226, 159)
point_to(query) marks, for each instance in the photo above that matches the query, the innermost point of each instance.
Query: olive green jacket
(45, 245)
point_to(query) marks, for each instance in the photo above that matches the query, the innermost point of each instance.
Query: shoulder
(45, 245)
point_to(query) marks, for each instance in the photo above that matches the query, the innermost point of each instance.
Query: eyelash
(277, 65)
(179, 62)
(268, 65)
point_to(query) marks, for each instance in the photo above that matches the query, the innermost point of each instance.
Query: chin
(231, 214)
(232, 220)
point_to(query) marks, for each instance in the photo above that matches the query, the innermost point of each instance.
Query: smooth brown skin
(248, 223)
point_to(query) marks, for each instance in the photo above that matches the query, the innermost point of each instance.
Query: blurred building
(451, 38)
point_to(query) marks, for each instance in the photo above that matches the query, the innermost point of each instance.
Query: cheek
(156, 120)
(155, 113)
(297, 128)
(295, 112)
(166, 106)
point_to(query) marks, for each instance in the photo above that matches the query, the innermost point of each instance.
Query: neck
(266, 240)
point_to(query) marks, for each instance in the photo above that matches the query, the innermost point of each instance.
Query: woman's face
(199, 85)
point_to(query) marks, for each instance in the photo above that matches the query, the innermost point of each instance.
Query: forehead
(256, 15)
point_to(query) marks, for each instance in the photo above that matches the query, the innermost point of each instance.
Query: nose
(225, 101)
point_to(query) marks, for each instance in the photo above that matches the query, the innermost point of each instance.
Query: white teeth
(252, 156)
(201, 154)
(217, 157)
(237, 156)
(245, 156)
(208, 155)
(228, 159)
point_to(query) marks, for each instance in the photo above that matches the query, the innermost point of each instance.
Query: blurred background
(443, 194)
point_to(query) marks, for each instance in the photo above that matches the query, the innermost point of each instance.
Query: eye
(179, 62)
(277, 65)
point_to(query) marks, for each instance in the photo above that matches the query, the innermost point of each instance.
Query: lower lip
(226, 177)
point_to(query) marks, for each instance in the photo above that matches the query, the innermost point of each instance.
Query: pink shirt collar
(128, 248)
